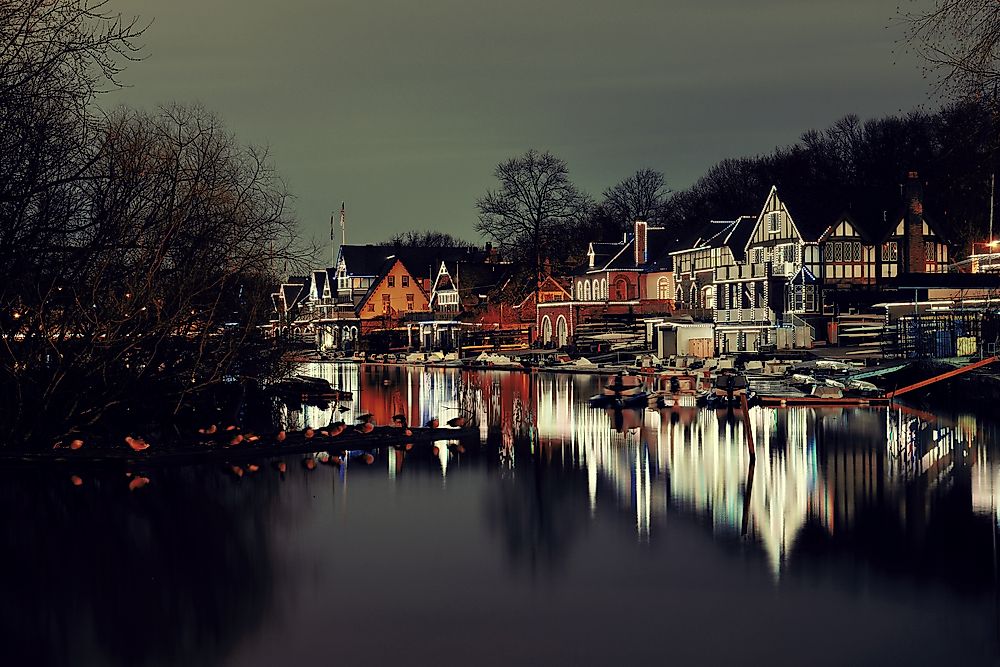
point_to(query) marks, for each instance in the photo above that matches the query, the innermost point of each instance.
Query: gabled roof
(383, 272)
(295, 290)
(319, 281)
(732, 234)
(363, 260)
(368, 260)
(549, 283)
(811, 212)
(873, 211)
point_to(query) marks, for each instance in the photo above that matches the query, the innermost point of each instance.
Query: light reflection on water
(571, 535)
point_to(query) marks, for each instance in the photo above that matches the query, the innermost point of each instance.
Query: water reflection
(896, 503)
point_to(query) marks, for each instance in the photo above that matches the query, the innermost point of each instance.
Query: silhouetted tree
(533, 209)
(641, 196)
(136, 250)
(426, 239)
(959, 42)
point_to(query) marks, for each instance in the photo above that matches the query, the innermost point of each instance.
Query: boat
(490, 361)
(624, 391)
(729, 390)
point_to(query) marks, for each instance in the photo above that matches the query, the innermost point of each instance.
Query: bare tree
(532, 210)
(136, 250)
(641, 196)
(959, 41)
(427, 239)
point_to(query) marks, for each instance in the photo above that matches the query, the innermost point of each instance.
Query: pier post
(748, 426)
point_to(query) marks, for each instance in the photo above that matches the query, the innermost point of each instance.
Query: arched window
(679, 296)
(604, 288)
(579, 290)
(546, 330)
(663, 289)
(562, 331)
(621, 289)
(345, 335)
(354, 333)
(596, 288)
(708, 296)
(694, 295)
(586, 290)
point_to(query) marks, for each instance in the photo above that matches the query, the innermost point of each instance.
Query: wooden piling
(747, 425)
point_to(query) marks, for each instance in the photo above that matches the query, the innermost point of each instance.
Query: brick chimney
(640, 242)
(914, 254)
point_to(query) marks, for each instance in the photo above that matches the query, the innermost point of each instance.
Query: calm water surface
(567, 535)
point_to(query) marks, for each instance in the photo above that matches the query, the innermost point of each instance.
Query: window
(406, 281)
(708, 296)
(371, 307)
(802, 298)
(890, 251)
(774, 222)
(757, 256)
(663, 289)
(392, 281)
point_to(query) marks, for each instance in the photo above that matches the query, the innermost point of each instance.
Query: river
(568, 535)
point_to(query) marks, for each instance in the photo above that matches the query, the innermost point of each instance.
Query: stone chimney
(640, 242)
(914, 254)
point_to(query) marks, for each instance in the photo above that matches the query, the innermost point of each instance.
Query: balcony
(740, 272)
(744, 316)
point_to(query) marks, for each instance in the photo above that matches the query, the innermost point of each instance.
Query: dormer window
(590, 257)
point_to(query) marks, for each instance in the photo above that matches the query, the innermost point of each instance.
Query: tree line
(538, 217)
(137, 250)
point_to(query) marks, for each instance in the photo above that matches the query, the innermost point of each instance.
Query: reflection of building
(838, 472)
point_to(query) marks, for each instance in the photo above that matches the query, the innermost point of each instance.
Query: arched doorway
(562, 331)
(546, 330)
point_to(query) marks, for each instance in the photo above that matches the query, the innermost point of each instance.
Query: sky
(402, 108)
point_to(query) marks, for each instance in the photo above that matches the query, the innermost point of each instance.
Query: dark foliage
(136, 250)
(859, 165)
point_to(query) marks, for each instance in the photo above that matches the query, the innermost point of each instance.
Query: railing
(741, 272)
(800, 326)
(747, 315)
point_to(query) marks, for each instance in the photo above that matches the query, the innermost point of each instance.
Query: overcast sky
(403, 107)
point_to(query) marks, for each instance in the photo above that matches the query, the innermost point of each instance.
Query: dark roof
(733, 234)
(625, 259)
(363, 260)
(659, 243)
(812, 212)
(425, 262)
(873, 210)
(367, 260)
(319, 279)
(738, 234)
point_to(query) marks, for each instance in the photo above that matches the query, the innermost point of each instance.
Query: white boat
(486, 359)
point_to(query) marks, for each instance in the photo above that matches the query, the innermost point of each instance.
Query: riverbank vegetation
(138, 250)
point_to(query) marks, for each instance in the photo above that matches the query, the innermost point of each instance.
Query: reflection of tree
(538, 513)
(175, 574)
